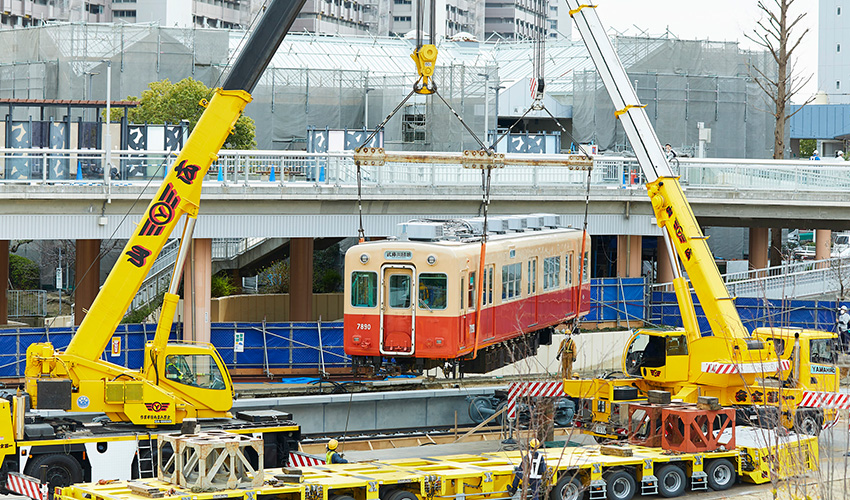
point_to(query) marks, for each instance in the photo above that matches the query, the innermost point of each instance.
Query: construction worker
(332, 457)
(534, 464)
(843, 328)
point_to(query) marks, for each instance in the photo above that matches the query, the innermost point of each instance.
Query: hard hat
(843, 308)
(533, 443)
(332, 444)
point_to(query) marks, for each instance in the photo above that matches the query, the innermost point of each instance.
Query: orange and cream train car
(412, 301)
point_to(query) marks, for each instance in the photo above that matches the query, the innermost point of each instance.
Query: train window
(551, 272)
(568, 264)
(511, 280)
(400, 291)
(433, 289)
(532, 276)
(364, 289)
(488, 286)
(585, 268)
(472, 300)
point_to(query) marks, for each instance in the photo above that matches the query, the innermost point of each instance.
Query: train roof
(459, 232)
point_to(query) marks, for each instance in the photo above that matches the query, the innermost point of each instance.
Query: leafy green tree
(23, 273)
(222, 285)
(275, 278)
(807, 147)
(166, 102)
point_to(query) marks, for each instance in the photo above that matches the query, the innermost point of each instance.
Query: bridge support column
(664, 269)
(629, 256)
(776, 246)
(758, 247)
(87, 271)
(197, 284)
(301, 279)
(4, 281)
(823, 243)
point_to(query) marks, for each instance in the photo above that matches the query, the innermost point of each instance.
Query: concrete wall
(272, 307)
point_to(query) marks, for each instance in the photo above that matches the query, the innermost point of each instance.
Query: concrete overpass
(300, 196)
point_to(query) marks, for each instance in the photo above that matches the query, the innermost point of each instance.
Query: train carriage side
(415, 301)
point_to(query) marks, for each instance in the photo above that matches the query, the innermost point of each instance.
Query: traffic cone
(271, 176)
(79, 172)
(220, 174)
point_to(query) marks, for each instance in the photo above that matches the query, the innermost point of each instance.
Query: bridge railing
(75, 166)
(791, 279)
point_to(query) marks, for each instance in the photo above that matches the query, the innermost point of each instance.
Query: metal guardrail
(67, 166)
(793, 279)
(26, 303)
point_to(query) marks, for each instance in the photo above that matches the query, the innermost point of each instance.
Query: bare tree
(775, 34)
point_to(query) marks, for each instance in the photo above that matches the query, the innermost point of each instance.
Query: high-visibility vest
(538, 466)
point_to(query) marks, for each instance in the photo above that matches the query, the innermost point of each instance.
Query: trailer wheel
(671, 481)
(620, 484)
(400, 495)
(341, 497)
(808, 421)
(62, 470)
(721, 474)
(569, 487)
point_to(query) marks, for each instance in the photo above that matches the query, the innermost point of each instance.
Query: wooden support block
(659, 397)
(616, 451)
(145, 490)
(708, 403)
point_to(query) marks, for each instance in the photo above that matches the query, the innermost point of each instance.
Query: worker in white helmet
(843, 321)
(533, 467)
(332, 456)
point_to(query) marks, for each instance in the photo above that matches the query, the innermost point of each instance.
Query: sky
(716, 20)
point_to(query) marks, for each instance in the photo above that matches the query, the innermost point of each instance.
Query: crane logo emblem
(161, 212)
(157, 407)
(138, 255)
(187, 172)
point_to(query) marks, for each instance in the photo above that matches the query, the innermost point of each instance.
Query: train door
(532, 291)
(468, 294)
(398, 314)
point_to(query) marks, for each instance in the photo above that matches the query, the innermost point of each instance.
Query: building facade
(834, 50)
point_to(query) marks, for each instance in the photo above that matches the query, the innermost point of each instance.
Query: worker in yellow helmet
(533, 467)
(332, 457)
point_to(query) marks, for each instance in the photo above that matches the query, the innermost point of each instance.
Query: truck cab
(814, 368)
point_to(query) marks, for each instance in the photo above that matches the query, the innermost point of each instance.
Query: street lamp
(497, 88)
(366, 108)
(486, 77)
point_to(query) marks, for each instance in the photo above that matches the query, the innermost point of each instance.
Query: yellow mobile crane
(779, 374)
(176, 381)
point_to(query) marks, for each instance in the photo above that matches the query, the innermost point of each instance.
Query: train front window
(364, 289)
(433, 289)
(400, 291)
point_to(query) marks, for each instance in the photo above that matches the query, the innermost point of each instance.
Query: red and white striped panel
(27, 486)
(532, 390)
(816, 399)
(732, 368)
(298, 459)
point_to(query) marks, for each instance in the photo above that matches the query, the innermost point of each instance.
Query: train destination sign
(398, 255)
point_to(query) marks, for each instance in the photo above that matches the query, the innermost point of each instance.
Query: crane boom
(672, 211)
(181, 380)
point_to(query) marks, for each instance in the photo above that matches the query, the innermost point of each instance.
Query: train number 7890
(364, 326)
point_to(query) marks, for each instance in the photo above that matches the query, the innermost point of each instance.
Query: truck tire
(620, 485)
(671, 481)
(341, 497)
(808, 421)
(721, 474)
(569, 487)
(62, 470)
(400, 495)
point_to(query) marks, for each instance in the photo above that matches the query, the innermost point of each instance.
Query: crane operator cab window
(651, 351)
(196, 370)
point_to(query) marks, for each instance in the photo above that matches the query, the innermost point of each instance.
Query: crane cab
(657, 355)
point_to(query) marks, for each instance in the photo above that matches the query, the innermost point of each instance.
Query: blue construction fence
(241, 345)
(617, 300)
(754, 312)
